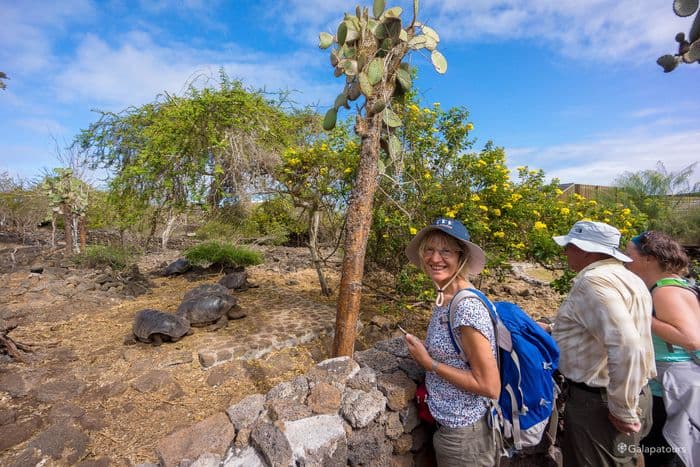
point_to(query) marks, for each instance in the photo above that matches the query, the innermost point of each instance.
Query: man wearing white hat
(603, 330)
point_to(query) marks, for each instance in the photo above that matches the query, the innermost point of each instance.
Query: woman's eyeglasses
(445, 253)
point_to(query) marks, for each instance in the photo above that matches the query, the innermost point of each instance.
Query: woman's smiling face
(441, 257)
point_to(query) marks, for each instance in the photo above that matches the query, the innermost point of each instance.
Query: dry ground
(81, 369)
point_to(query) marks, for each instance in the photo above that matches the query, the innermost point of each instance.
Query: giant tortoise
(155, 327)
(209, 305)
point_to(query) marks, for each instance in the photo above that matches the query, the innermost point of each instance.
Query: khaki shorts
(590, 439)
(472, 445)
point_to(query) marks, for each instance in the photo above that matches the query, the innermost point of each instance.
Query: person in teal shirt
(660, 262)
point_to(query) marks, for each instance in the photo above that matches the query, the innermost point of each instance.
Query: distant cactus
(688, 49)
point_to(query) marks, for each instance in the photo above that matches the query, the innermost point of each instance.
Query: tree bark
(314, 221)
(359, 220)
(68, 229)
(168, 230)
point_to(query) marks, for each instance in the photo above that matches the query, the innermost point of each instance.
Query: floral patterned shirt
(450, 405)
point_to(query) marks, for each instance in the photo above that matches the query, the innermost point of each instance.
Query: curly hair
(669, 253)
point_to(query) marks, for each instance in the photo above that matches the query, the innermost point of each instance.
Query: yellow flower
(427, 111)
(499, 234)
(470, 126)
(324, 146)
(607, 212)
(481, 163)
(519, 246)
(539, 225)
(347, 170)
(413, 230)
(438, 185)
(413, 107)
(483, 208)
(474, 198)
(628, 224)
(626, 211)
(577, 197)
(515, 197)
(427, 176)
(592, 202)
(507, 206)
(385, 236)
(564, 211)
(496, 212)
(451, 214)
(558, 191)
(535, 213)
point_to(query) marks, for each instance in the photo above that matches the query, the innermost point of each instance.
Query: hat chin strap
(440, 299)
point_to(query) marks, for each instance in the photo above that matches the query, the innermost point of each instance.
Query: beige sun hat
(455, 229)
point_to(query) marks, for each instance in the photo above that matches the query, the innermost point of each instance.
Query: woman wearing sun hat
(674, 438)
(459, 392)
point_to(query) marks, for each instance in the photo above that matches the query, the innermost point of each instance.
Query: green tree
(657, 194)
(205, 147)
(318, 175)
(369, 52)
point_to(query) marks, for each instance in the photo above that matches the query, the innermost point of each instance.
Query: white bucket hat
(594, 237)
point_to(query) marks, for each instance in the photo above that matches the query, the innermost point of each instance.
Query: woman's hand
(418, 351)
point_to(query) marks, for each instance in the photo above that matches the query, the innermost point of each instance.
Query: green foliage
(22, 206)
(440, 175)
(275, 219)
(223, 254)
(656, 193)
(96, 256)
(562, 284)
(210, 146)
(217, 230)
(368, 51)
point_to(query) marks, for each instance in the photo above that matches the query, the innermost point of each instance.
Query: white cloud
(600, 161)
(29, 29)
(137, 69)
(600, 30)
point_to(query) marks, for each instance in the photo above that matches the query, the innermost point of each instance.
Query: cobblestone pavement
(275, 319)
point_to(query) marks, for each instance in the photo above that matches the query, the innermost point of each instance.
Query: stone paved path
(274, 320)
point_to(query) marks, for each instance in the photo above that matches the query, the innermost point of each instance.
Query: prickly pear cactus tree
(368, 49)
(68, 196)
(688, 49)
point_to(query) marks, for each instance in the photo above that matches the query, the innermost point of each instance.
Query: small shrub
(104, 255)
(223, 254)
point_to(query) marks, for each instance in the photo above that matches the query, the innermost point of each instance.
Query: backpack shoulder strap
(456, 299)
(501, 333)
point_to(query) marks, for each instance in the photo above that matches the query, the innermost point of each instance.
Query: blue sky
(567, 86)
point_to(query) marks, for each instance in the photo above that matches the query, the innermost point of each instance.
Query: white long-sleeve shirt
(603, 330)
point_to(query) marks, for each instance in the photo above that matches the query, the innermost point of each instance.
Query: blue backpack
(528, 357)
